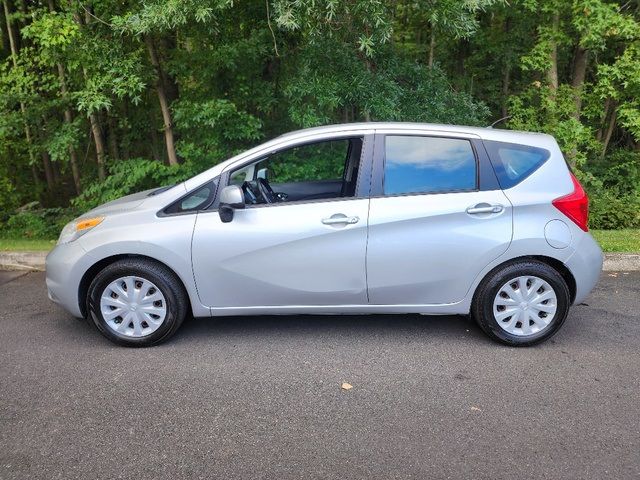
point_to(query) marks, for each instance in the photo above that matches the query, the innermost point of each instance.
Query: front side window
(415, 164)
(314, 171)
(315, 162)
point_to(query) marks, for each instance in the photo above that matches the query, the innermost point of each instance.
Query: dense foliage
(100, 98)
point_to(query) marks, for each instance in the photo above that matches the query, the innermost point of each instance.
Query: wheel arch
(554, 263)
(90, 274)
(563, 270)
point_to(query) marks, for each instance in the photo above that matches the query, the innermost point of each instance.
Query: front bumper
(65, 266)
(585, 264)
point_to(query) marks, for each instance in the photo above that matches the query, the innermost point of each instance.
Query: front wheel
(522, 303)
(137, 302)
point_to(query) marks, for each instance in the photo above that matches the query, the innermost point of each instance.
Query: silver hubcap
(133, 306)
(525, 305)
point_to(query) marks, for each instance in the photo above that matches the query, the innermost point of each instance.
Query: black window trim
(211, 200)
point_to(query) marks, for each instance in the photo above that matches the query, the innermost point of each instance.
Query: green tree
(102, 98)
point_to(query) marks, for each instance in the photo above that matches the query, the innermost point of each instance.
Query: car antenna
(499, 120)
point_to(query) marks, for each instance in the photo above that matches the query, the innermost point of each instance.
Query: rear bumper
(586, 265)
(65, 266)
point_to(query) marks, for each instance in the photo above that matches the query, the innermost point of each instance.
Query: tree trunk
(112, 139)
(432, 45)
(506, 81)
(99, 141)
(4, 33)
(55, 168)
(155, 145)
(612, 124)
(46, 158)
(369, 67)
(96, 130)
(14, 57)
(579, 74)
(48, 171)
(603, 118)
(35, 174)
(125, 145)
(167, 43)
(73, 160)
(577, 82)
(506, 72)
(162, 99)
(68, 119)
(552, 72)
(462, 48)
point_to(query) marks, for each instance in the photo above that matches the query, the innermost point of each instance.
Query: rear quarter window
(513, 162)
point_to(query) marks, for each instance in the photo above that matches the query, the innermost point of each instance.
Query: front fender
(164, 239)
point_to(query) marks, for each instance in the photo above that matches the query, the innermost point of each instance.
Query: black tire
(482, 306)
(177, 302)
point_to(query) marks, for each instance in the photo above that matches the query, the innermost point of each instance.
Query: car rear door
(437, 218)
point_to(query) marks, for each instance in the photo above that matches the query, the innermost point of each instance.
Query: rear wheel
(137, 302)
(522, 303)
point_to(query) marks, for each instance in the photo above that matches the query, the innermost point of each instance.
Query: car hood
(123, 204)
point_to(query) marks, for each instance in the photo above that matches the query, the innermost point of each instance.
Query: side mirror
(231, 198)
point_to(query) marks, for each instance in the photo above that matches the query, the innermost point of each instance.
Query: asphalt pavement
(260, 397)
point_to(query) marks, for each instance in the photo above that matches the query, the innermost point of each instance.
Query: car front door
(307, 249)
(437, 218)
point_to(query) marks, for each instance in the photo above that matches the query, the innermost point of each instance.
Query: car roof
(482, 132)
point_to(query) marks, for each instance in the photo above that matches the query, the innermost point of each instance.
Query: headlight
(75, 229)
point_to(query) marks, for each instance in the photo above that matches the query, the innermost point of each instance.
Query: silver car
(345, 219)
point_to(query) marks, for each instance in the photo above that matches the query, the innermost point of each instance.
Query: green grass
(21, 245)
(609, 240)
(618, 240)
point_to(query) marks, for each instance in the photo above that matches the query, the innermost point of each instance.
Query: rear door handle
(485, 208)
(339, 219)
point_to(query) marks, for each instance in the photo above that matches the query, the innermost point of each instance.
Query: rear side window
(416, 164)
(513, 163)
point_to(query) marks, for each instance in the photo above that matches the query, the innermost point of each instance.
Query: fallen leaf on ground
(346, 386)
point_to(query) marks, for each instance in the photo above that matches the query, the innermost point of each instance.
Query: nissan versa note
(344, 219)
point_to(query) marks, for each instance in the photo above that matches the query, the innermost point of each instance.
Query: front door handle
(485, 208)
(339, 219)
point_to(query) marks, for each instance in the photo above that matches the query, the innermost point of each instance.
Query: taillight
(575, 205)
